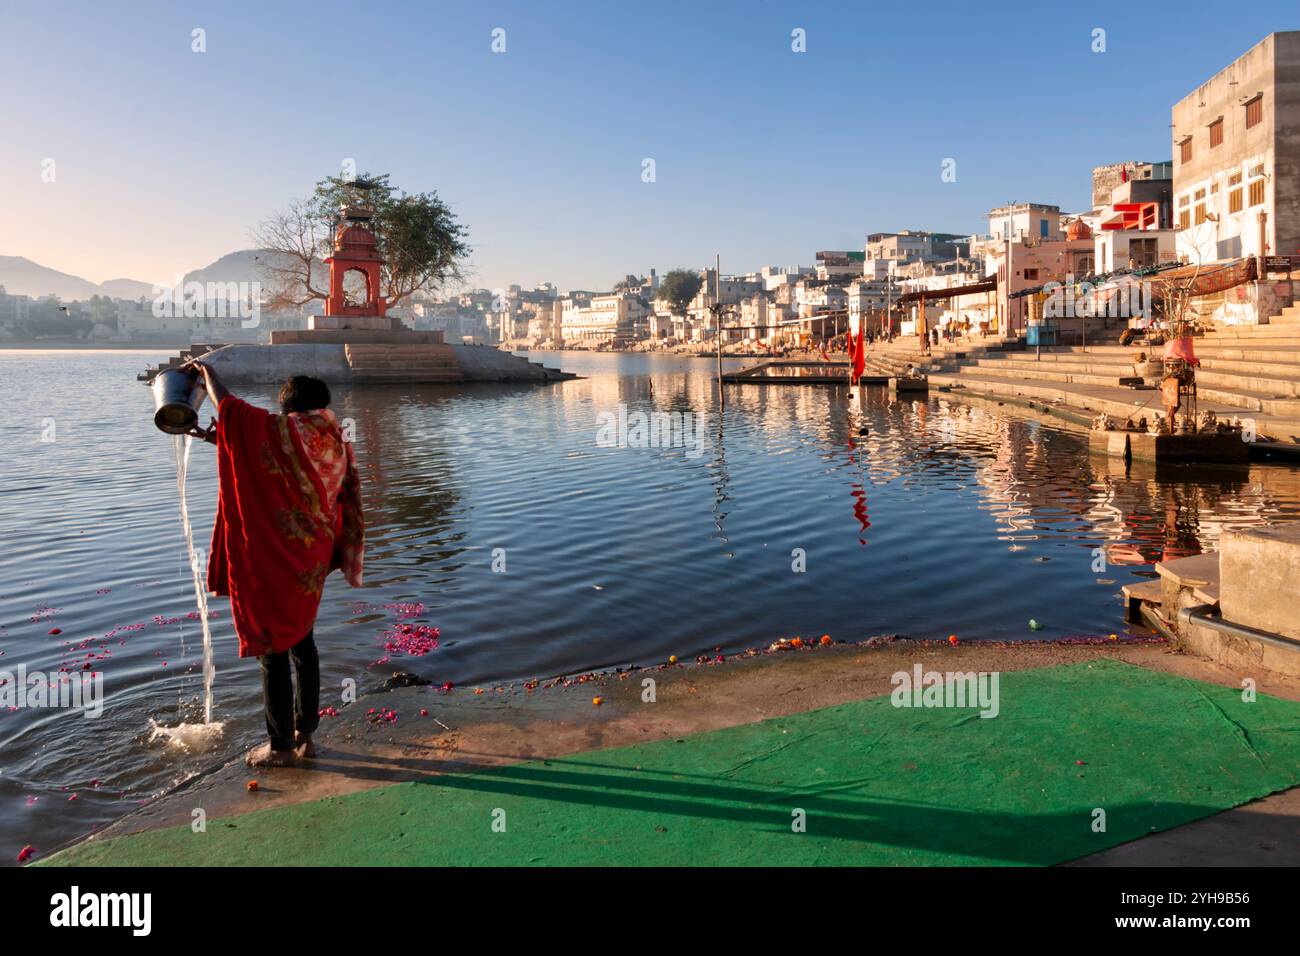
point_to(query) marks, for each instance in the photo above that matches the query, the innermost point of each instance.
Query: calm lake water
(943, 518)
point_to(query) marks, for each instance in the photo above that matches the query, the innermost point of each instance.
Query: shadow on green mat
(1080, 758)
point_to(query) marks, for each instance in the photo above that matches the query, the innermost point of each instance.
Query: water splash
(189, 738)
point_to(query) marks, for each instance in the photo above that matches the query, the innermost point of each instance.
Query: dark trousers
(287, 710)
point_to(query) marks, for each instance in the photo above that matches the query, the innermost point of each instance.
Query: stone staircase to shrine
(375, 364)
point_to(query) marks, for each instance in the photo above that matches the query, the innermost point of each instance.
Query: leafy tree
(419, 237)
(678, 287)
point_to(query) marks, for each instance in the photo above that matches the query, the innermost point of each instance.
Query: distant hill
(126, 289)
(248, 265)
(21, 276)
(242, 266)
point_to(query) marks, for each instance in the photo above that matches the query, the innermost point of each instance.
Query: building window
(1184, 219)
(1255, 111)
(1257, 192)
(1031, 273)
(1200, 214)
(1185, 150)
(1235, 179)
(1234, 200)
(1216, 133)
(1143, 252)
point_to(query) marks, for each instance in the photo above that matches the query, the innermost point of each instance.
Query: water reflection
(974, 519)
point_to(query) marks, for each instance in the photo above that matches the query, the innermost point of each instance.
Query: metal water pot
(177, 396)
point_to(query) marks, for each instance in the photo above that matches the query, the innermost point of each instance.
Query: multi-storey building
(612, 318)
(1237, 157)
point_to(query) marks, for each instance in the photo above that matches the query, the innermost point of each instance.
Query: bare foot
(264, 756)
(303, 747)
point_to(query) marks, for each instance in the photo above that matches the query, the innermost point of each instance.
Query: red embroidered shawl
(289, 513)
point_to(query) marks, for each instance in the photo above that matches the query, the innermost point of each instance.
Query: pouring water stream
(193, 736)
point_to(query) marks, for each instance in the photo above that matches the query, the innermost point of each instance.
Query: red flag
(859, 355)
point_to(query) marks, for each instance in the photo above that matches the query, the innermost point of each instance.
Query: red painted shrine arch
(355, 251)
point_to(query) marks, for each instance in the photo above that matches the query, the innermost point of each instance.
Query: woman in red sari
(288, 513)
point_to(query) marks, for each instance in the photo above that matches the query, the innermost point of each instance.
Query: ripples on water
(942, 518)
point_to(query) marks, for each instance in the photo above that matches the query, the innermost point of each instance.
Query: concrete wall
(1286, 144)
(272, 364)
(480, 363)
(1255, 576)
(1259, 574)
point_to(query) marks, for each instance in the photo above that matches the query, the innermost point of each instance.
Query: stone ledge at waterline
(1252, 582)
(340, 364)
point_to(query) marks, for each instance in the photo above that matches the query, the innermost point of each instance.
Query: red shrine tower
(356, 315)
(356, 254)
(355, 250)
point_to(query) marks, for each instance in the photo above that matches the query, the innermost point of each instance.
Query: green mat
(879, 785)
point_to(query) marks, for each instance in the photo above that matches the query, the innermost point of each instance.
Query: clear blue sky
(166, 159)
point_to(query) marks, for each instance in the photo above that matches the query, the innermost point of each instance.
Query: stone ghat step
(1277, 367)
(1058, 354)
(1092, 349)
(372, 351)
(1261, 394)
(1249, 401)
(1270, 351)
(407, 375)
(411, 358)
(1040, 375)
(1118, 402)
(404, 362)
(1217, 346)
(1102, 364)
(1276, 387)
(1271, 331)
(1243, 375)
(1252, 401)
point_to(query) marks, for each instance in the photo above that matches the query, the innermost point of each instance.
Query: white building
(1025, 220)
(1237, 157)
(840, 265)
(614, 318)
(774, 277)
